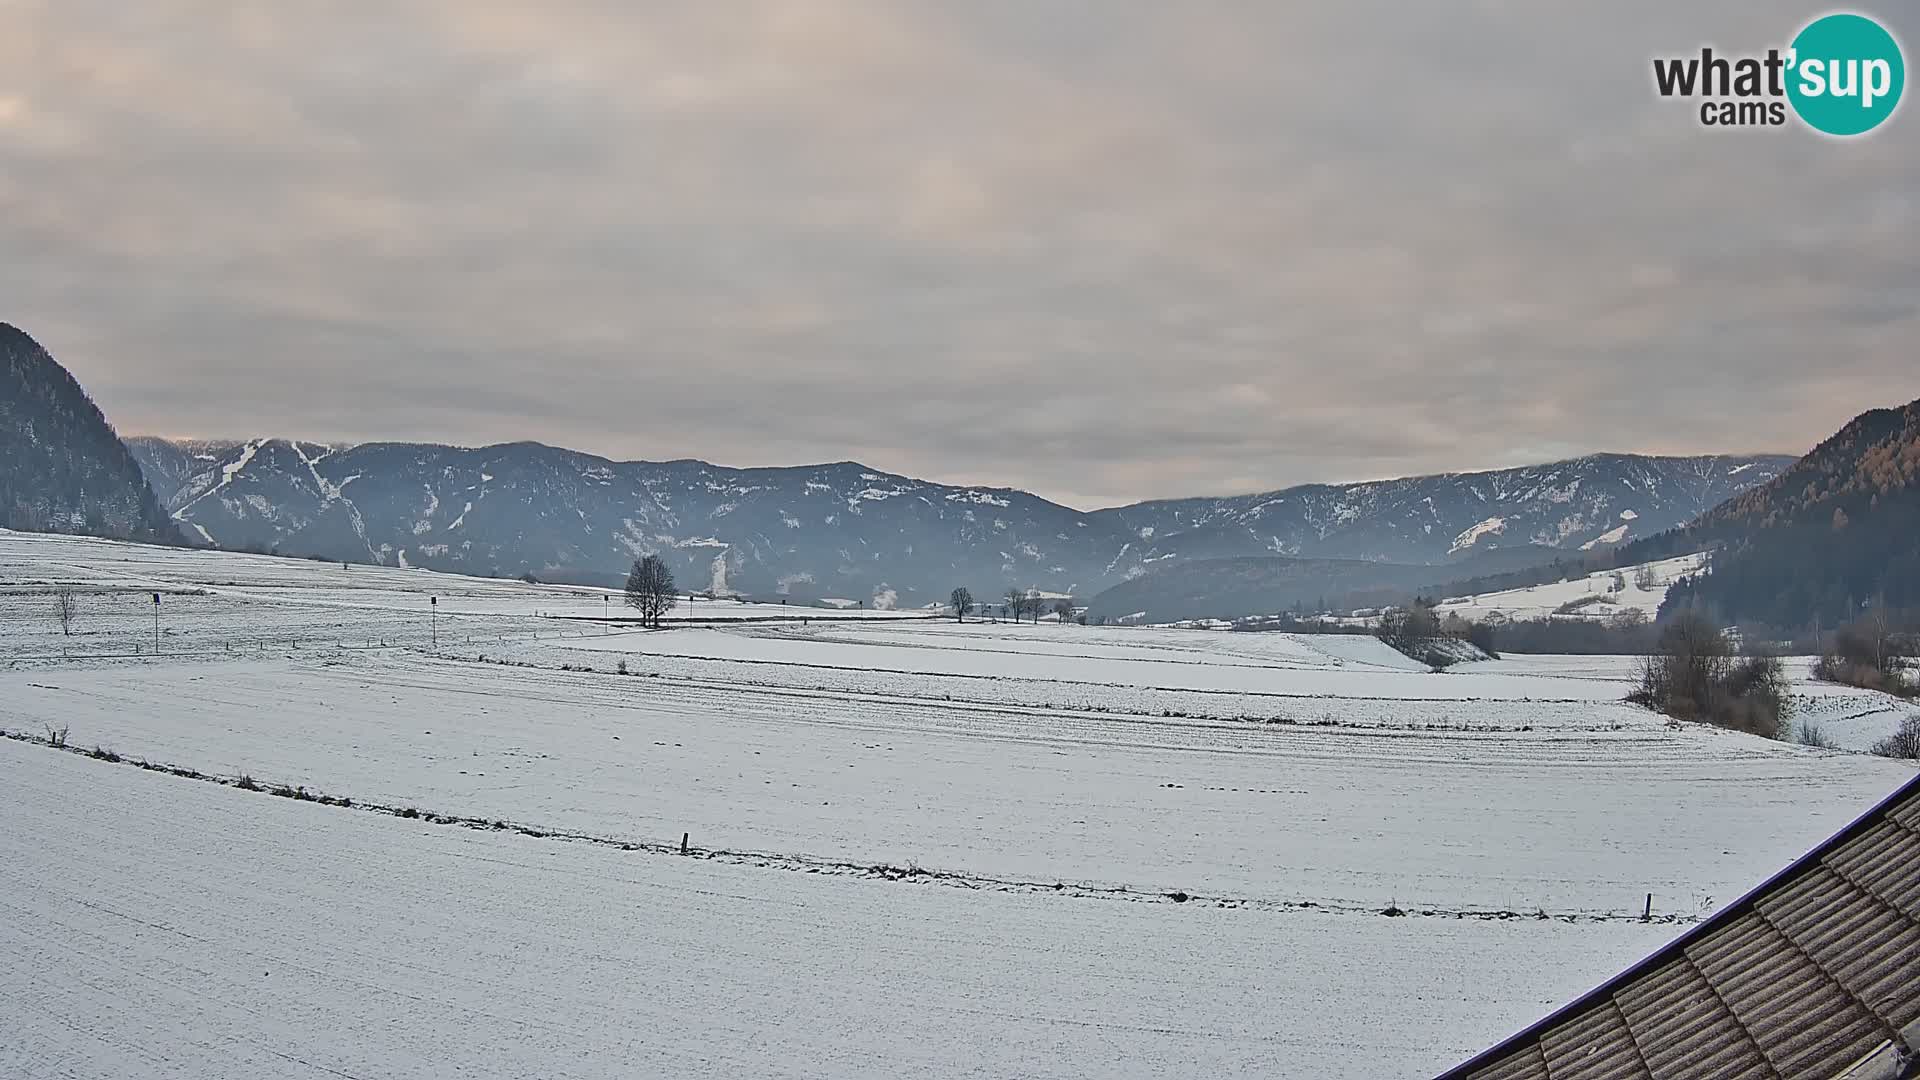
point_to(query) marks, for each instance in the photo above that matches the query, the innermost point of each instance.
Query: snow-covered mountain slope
(1581, 504)
(839, 530)
(848, 531)
(1600, 595)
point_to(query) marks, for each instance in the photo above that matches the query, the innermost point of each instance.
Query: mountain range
(840, 531)
(848, 531)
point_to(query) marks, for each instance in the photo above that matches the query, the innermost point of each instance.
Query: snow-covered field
(1851, 717)
(949, 850)
(224, 601)
(159, 928)
(1590, 596)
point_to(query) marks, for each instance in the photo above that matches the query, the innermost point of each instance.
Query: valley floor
(157, 927)
(926, 848)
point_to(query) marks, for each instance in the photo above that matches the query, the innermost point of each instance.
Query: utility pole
(606, 614)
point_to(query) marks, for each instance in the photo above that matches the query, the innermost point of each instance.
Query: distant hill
(1838, 530)
(834, 531)
(846, 530)
(1583, 504)
(62, 468)
(1264, 585)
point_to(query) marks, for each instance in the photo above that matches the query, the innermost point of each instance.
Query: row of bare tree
(1016, 605)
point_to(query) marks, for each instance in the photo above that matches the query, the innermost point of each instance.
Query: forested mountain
(848, 531)
(1838, 530)
(1581, 504)
(62, 468)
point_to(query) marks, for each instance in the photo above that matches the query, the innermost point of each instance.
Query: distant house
(1815, 975)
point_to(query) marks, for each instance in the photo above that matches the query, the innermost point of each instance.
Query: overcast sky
(1102, 250)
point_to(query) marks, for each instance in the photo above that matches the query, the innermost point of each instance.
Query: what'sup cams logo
(1842, 75)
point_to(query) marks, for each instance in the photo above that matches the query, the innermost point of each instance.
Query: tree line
(1017, 604)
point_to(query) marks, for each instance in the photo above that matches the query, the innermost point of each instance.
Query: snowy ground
(1850, 717)
(1263, 813)
(183, 930)
(223, 601)
(1592, 593)
(951, 850)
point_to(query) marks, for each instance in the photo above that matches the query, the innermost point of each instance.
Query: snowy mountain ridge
(845, 529)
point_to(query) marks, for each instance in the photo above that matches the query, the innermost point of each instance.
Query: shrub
(103, 755)
(1904, 743)
(1836, 667)
(1408, 630)
(1481, 634)
(1694, 676)
(1870, 653)
(245, 783)
(1809, 734)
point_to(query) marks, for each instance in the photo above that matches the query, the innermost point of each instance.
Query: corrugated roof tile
(1685, 1031)
(1805, 1023)
(1885, 861)
(1596, 1046)
(1800, 978)
(1525, 1065)
(1871, 947)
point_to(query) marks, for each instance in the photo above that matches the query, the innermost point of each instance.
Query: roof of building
(1814, 974)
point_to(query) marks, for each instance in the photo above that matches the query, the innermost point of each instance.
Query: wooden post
(683, 842)
(1648, 916)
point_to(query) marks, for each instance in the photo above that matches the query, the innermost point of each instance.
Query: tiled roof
(1815, 975)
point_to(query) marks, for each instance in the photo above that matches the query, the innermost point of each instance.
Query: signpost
(156, 624)
(433, 620)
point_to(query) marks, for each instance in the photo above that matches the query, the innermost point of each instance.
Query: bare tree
(962, 601)
(66, 606)
(1690, 668)
(1016, 603)
(1645, 580)
(1878, 627)
(650, 589)
(1411, 629)
(1904, 742)
(1063, 610)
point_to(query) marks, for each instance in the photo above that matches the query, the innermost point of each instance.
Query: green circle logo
(1846, 74)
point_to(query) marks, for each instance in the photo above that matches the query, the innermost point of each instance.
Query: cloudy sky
(1100, 249)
